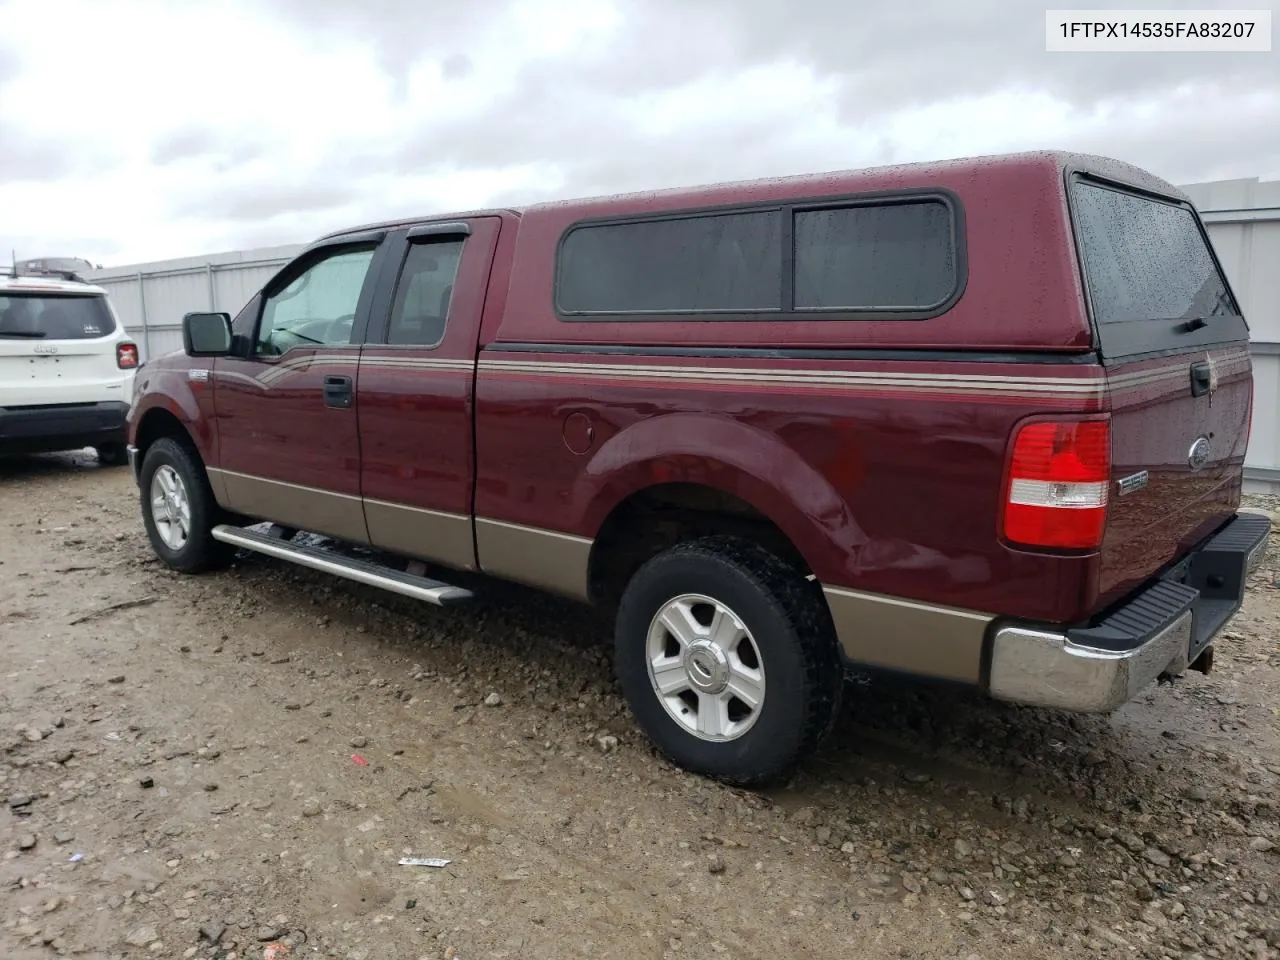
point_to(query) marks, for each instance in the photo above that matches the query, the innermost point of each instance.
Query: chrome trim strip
(440, 595)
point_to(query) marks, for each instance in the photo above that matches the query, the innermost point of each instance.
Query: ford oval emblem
(1198, 455)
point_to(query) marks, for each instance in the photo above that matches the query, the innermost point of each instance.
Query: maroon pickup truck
(979, 421)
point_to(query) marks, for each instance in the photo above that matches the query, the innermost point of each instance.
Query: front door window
(318, 307)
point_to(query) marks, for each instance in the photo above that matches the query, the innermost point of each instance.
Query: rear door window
(1152, 280)
(423, 293)
(54, 317)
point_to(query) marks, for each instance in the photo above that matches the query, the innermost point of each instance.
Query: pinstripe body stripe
(1089, 385)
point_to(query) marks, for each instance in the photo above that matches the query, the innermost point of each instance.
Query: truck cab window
(423, 293)
(318, 307)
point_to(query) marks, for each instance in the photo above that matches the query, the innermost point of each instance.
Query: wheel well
(157, 424)
(659, 517)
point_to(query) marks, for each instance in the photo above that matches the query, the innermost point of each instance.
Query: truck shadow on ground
(951, 743)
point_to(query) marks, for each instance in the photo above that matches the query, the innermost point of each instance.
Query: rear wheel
(178, 509)
(728, 660)
(112, 455)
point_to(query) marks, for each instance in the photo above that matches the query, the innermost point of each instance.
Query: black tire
(200, 552)
(792, 635)
(112, 455)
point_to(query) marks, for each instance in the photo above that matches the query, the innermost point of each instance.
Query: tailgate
(81, 371)
(1174, 346)
(1177, 458)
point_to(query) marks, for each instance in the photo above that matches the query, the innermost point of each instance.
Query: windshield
(45, 317)
(1153, 283)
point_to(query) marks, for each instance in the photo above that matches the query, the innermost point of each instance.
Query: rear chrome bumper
(1048, 670)
(1160, 630)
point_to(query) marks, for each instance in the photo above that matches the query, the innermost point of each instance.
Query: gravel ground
(233, 765)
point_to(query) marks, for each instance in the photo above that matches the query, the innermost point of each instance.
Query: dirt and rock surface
(232, 765)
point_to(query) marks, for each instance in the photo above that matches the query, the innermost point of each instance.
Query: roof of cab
(815, 184)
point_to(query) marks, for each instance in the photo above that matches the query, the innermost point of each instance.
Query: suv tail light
(126, 355)
(1058, 476)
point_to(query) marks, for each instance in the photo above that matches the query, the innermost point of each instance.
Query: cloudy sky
(138, 130)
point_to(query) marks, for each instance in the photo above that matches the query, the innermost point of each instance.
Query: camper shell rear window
(1152, 280)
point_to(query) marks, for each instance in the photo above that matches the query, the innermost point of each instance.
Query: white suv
(66, 366)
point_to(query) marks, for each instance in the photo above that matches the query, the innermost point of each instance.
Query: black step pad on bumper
(1138, 620)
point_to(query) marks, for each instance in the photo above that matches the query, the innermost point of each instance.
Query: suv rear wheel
(728, 659)
(178, 509)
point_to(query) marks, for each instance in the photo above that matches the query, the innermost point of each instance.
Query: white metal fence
(1243, 218)
(151, 298)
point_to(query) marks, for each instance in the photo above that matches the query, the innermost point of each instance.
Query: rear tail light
(126, 355)
(1058, 476)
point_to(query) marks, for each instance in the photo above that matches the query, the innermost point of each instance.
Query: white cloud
(138, 129)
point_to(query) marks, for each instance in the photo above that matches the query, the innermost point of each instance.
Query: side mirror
(206, 334)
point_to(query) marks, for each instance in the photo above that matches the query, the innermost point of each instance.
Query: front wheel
(727, 657)
(178, 509)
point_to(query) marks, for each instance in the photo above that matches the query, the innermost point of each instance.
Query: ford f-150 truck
(980, 421)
